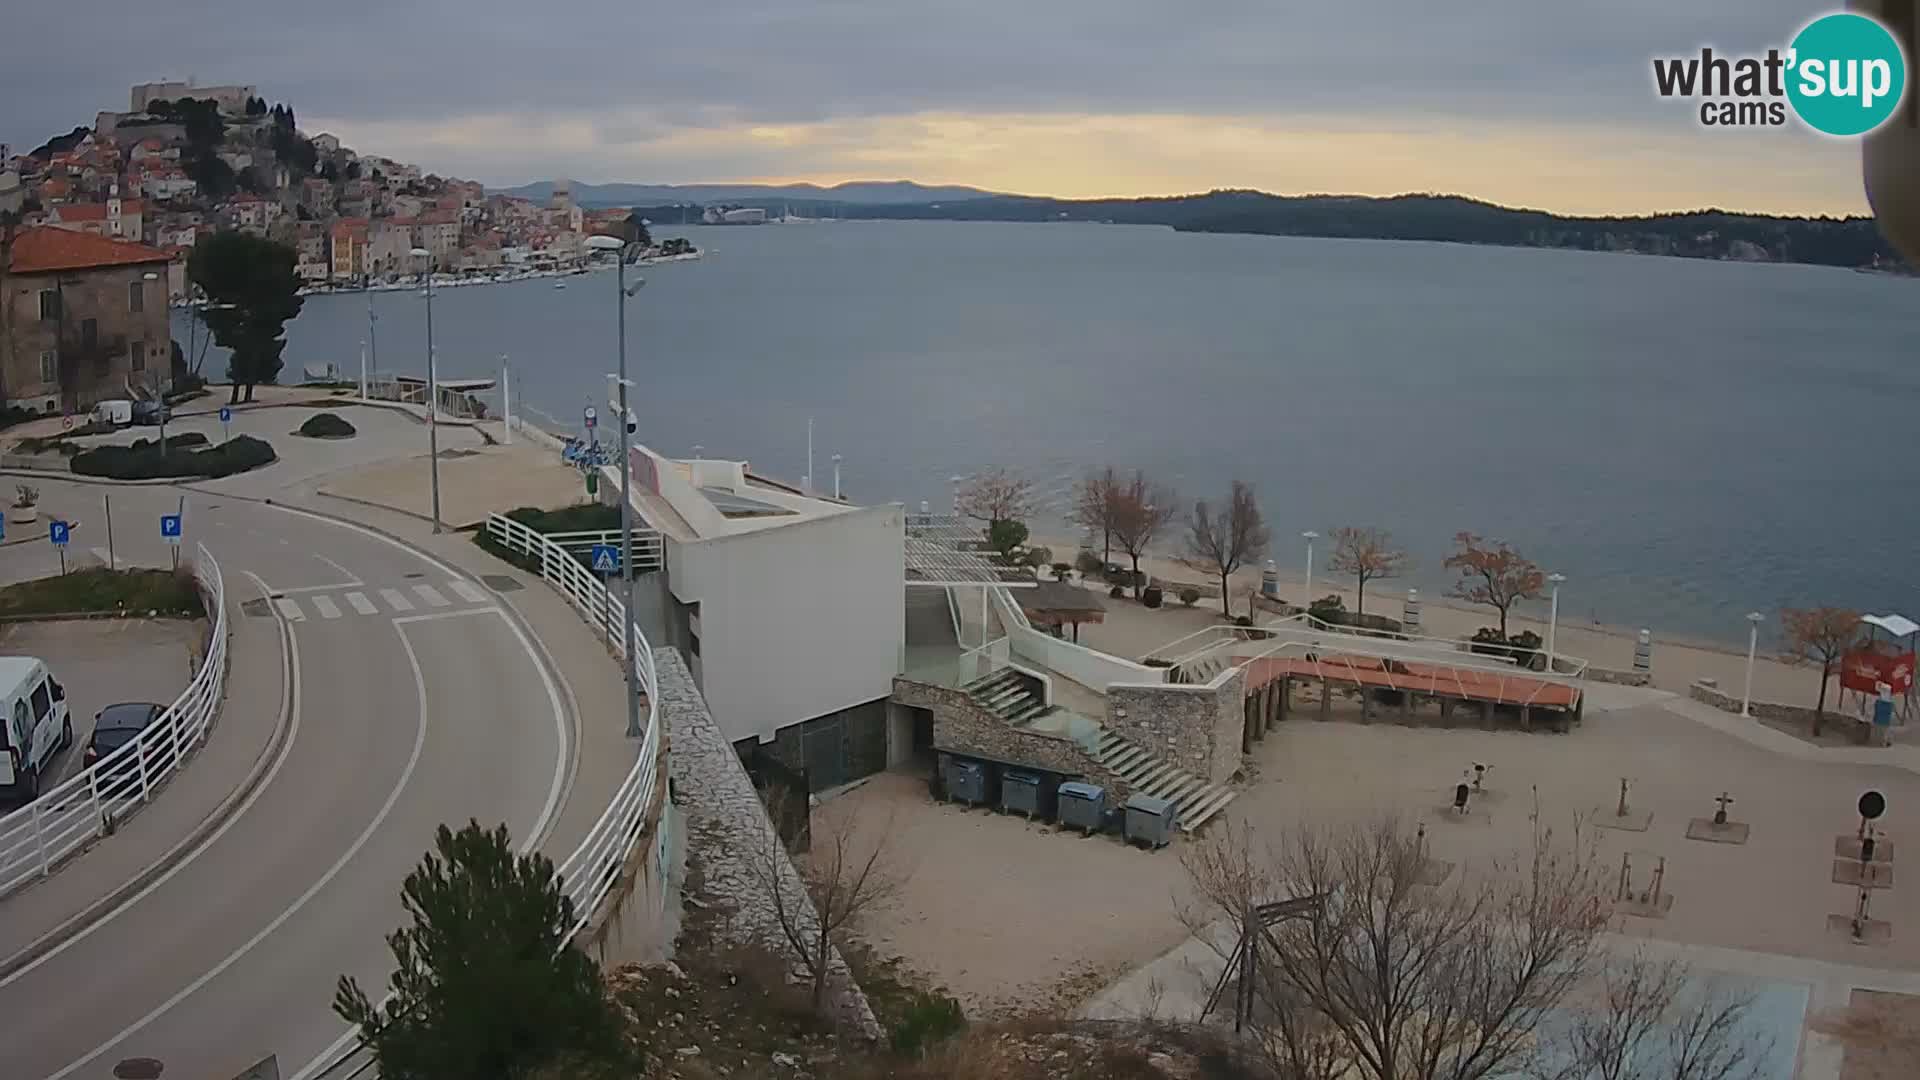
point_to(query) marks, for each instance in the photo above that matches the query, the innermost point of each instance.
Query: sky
(1545, 104)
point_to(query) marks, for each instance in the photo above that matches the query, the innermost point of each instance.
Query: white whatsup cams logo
(1844, 74)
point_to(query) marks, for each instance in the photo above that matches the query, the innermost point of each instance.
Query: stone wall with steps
(1198, 728)
(962, 725)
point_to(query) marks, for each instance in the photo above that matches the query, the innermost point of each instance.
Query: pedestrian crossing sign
(606, 558)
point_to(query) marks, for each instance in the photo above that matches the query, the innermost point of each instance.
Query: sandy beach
(1676, 662)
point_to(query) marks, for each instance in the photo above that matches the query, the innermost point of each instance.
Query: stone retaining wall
(723, 809)
(1765, 710)
(1197, 728)
(962, 726)
(1624, 678)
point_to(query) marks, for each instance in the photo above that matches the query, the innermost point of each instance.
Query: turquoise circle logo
(1847, 74)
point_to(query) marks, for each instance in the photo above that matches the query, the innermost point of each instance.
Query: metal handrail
(589, 874)
(93, 802)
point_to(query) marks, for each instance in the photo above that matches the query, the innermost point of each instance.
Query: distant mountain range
(864, 192)
(1700, 234)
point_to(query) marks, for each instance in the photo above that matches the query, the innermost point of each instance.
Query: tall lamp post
(1309, 536)
(622, 293)
(1553, 616)
(161, 382)
(1754, 619)
(433, 394)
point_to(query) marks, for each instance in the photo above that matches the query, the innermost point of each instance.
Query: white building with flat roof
(789, 605)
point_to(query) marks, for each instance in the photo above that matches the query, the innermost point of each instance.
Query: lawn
(99, 590)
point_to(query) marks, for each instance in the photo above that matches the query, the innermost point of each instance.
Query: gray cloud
(638, 73)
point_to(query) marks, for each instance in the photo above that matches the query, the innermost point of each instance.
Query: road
(412, 700)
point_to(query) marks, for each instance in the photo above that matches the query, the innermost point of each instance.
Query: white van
(36, 725)
(119, 412)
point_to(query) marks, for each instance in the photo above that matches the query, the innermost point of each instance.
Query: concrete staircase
(1009, 695)
(1199, 672)
(1196, 800)
(929, 619)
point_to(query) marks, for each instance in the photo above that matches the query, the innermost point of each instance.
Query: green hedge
(144, 461)
(326, 425)
(98, 589)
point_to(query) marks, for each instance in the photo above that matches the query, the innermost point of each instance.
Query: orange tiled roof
(46, 249)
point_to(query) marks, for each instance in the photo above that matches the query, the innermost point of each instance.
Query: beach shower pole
(1553, 617)
(1310, 536)
(1753, 646)
(506, 401)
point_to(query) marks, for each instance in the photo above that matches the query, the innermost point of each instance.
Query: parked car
(34, 724)
(117, 725)
(151, 412)
(116, 413)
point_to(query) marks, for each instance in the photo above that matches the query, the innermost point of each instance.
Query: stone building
(81, 317)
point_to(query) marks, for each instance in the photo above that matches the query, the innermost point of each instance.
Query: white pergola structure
(936, 559)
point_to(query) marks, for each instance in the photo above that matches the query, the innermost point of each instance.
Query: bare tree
(1093, 506)
(1140, 511)
(1823, 636)
(847, 872)
(1386, 977)
(1656, 1020)
(1224, 541)
(1367, 554)
(996, 495)
(1493, 574)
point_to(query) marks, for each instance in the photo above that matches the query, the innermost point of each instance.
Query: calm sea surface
(1685, 440)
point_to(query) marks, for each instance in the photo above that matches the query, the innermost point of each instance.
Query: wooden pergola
(1058, 604)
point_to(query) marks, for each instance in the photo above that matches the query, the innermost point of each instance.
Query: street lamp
(1309, 536)
(1754, 619)
(622, 252)
(161, 382)
(1553, 616)
(433, 394)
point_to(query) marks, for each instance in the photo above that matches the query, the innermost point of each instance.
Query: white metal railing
(589, 874)
(649, 550)
(94, 802)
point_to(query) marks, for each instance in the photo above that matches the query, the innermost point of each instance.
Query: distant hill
(1704, 234)
(865, 192)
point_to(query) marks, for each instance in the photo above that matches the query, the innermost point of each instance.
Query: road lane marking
(325, 606)
(396, 599)
(534, 838)
(432, 596)
(361, 604)
(290, 608)
(379, 819)
(467, 591)
(460, 614)
(344, 572)
(290, 702)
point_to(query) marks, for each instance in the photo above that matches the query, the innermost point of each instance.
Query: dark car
(116, 725)
(151, 412)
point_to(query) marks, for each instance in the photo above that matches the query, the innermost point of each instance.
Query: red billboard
(1864, 669)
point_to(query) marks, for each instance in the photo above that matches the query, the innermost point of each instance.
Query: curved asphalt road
(409, 715)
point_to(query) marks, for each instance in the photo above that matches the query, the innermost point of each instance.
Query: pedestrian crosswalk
(378, 601)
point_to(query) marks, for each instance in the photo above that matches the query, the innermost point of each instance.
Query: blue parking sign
(606, 558)
(226, 414)
(170, 528)
(58, 532)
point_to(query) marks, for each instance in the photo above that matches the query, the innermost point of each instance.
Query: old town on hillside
(184, 161)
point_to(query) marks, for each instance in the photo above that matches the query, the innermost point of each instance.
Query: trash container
(971, 782)
(1028, 792)
(1150, 821)
(1082, 806)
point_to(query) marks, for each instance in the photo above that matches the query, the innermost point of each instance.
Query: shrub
(929, 1019)
(1117, 592)
(25, 495)
(1243, 620)
(326, 425)
(1060, 570)
(1189, 596)
(1152, 596)
(1329, 609)
(1087, 563)
(1525, 647)
(1038, 556)
(1155, 661)
(144, 461)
